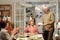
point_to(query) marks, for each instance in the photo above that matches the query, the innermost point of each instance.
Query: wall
(59, 9)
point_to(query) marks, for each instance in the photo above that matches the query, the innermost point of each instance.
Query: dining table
(30, 37)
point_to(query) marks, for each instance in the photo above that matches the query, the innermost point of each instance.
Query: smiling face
(31, 22)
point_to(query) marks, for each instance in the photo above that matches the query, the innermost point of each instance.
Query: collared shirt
(30, 29)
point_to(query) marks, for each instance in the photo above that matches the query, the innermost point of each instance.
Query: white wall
(39, 0)
(6, 1)
(59, 9)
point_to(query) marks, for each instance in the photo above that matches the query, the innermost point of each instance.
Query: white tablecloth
(40, 37)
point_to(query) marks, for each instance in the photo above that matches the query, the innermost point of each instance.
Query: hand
(40, 23)
(47, 24)
(15, 30)
(18, 28)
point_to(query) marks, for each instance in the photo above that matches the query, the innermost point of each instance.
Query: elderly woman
(31, 27)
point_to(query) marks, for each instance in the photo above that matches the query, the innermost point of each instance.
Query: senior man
(48, 20)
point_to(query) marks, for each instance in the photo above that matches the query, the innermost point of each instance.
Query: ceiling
(23, 2)
(39, 0)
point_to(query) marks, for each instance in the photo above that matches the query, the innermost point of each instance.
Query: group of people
(47, 22)
(7, 32)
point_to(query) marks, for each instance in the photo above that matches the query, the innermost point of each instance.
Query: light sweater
(48, 18)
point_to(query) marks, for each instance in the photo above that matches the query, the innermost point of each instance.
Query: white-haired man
(48, 24)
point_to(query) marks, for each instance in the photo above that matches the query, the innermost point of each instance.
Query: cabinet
(5, 10)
